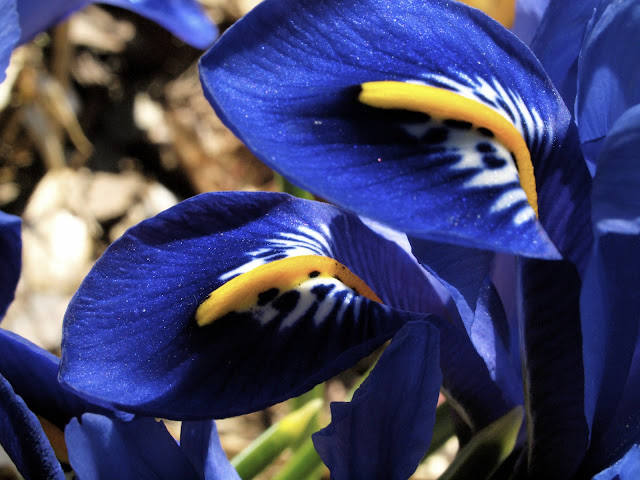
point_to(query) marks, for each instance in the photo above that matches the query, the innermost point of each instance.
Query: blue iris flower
(21, 20)
(431, 118)
(305, 91)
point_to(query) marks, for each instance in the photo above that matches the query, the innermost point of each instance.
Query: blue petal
(386, 429)
(609, 303)
(465, 272)
(9, 34)
(10, 259)
(627, 468)
(558, 434)
(132, 320)
(23, 439)
(608, 76)
(200, 442)
(529, 13)
(183, 18)
(558, 41)
(33, 374)
(102, 448)
(286, 77)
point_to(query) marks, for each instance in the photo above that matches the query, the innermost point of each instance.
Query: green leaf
(268, 446)
(304, 463)
(443, 429)
(482, 456)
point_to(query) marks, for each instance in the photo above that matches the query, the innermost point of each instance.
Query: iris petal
(529, 13)
(10, 259)
(391, 412)
(102, 448)
(627, 468)
(32, 370)
(608, 76)
(183, 18)
(609, 301)
(23, 439)
(132, 321)
(286, 80)
(200, 442)
(9, 34)
(554, 390)
(558, 41)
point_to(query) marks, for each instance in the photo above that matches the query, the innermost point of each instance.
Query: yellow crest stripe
(445, 104)
(244, 291)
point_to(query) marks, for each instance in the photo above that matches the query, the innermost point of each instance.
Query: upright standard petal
(386, 429)
(558, 41)
(184, 18)
(10, 259)
(445, 126)
(9, 34)
(608, 76)
(230, 302)
(23, 439)
(529, 13)
(610, 304)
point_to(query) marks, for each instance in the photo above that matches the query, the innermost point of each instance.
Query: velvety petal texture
(287, 80)
(9, 33)
(102, 448)
(386, 428)
(10, 259)
(131, 337)
(183, 18)
(23, 438)
(608, 76)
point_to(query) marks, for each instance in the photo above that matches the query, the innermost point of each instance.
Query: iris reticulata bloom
(431, 118)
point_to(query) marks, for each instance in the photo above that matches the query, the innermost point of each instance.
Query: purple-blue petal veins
(386, 428)
(131, 337)
(287, 78)
(10, 259)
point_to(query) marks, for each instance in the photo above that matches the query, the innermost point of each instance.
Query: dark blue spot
(485, 131)
(460, 124)
(268, 295)
(435, 135)
(491, 161)
(484, 147)
(286, 302)
(485, 99)
(321, 291)
(314, 274)
(278, 256)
